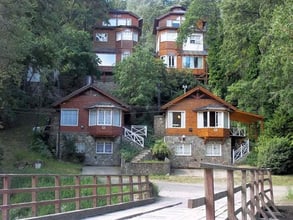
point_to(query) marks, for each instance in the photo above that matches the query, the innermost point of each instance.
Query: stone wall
(159, 125)
(146, 168)
(198, 152)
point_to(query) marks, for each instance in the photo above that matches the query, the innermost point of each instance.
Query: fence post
(230, 194)
(243, 195)
(34, 195)
(131, 188)
(77, 192)
(95, 191)
(108, 190)
(252, 193)
(57, 195)
(5, 198)
(209, 193)
(271, 186)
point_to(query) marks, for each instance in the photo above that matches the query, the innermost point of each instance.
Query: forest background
(250, 59)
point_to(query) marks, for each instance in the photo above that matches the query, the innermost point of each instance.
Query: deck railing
(256, 201)
(238, 132)
(241, 151)
(134, 137)
(24, 195)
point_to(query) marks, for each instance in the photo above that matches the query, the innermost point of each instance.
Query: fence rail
(258, 206)
(132, 136)
(26, 195)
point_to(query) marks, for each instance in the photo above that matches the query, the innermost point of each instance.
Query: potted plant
(160, 150)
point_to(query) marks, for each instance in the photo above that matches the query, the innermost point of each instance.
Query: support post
(209, 193)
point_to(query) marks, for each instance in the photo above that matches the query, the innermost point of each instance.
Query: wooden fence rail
(260, 204)
(24, 195)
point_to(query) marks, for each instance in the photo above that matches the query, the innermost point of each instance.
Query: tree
(138, 76)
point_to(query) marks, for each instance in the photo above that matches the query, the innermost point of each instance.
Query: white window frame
(102, 37)
(170, 123)
(64, 118)
(105, 117)
(125, 54)
(170, 61)
(213, 149)
(168, 36)
(222, 119)
(104, 145)
(80, 147)
(183, 149)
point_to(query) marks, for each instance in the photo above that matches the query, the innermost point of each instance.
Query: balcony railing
(238, 132)
(132, 136)
(240, 152)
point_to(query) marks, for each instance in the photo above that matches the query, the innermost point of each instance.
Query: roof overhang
(245, 117)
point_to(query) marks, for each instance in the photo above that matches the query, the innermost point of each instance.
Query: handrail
(63, 193)
(132, 136)
(258, 204)
(241, 151)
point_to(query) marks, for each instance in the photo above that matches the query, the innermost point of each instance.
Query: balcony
(105, 131)
(238, 132)
(213, 133)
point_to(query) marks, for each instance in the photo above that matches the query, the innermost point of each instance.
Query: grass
(15, 142)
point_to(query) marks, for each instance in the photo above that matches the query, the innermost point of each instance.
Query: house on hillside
(192, 54)
(94, 121)
(114, 39)
(197, 127)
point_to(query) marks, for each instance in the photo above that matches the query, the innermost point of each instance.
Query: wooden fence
(260, 204)
(24, 196)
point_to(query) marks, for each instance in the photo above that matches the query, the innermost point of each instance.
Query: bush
(160, 150)
(128, 152)
(276, 153)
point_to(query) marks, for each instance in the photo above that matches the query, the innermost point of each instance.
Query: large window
(213, 119)
(127, 35)
(104, 116)
(118, 22)
(168, 36)
(183, 150)
(213, 149)
(176, 119)
(102, 37)
(104, 147)
(169, 61)
(69, 117)
(107, 59)
(192, 62)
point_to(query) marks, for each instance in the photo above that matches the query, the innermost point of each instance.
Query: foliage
(276, 153)
(38, 145)
(160, 150)
(1, 155)
(128, 152)
(69, 150)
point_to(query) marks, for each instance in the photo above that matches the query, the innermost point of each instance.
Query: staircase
(241, 151)
(143, 155)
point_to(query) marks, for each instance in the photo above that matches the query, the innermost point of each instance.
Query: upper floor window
(168, 36)
(195, 39)
(125, 54)
(127, 35)
(118, 22)
(173, 23)
(107, 59)
(191, 62)
(104, 147)
(69, 117)
(102, 37)
(176, 119)
(169, 61)
(105, 116)
(213, 119)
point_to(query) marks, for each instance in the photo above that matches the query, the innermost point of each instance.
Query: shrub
(128, 152)
(276, 153)
(160, 150)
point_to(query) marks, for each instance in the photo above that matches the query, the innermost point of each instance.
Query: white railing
(132, 136)
(140, 130)
(241, 132)
(241, 151)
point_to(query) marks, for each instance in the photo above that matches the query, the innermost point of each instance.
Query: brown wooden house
(192, 54)
(115, 38)
(197, 127)
(94, 121)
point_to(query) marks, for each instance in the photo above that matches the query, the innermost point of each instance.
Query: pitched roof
(87, 87)
(236, 114)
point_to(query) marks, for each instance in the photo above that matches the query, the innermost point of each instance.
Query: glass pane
(100, 147)
(69, 117)
(176, 119)
(108, 147)
(101, 117)
(212, 119)
(93, 117)
(108, 117)
(116, 117)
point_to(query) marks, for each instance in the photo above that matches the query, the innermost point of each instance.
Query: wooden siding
(82, 102)
(189, 105)
(105, 131)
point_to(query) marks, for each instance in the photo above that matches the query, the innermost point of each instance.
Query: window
(127, 35)
(213, 119)
(183, 150)
(168, 36)
(213, 149)
(192, 62)
(104, 147)
(79, 147)
(101, 37)
(173, 23)
(169, 61)
(107, 59)
(117, 22)
(69, 117)
(103, 116)
(195, 39)
(176, 119)
(125, 54)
